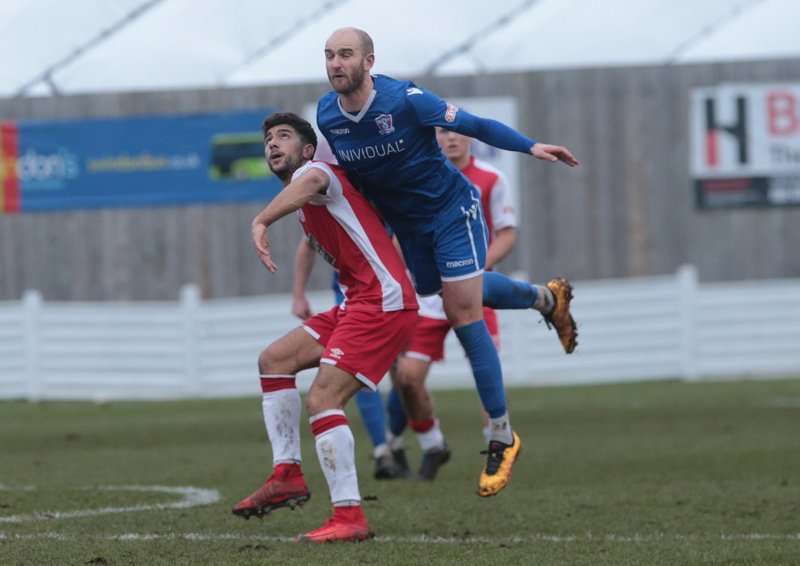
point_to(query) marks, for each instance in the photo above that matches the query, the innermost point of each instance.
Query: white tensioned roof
(53, 46)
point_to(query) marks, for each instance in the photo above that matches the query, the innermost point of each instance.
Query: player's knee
(460, 314)
(312, 406)
(271, 361)
(264, 361)
(317, 402)
(407, 380)
(459, 319)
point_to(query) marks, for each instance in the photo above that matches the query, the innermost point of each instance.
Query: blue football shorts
(453, 249)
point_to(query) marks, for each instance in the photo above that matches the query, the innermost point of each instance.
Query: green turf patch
(662, 473)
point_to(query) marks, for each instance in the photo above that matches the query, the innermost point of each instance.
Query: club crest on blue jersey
(450, 114)
(385, 125)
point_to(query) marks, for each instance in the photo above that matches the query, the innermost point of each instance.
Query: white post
(31, 307)
(688, 283)
(190, 306)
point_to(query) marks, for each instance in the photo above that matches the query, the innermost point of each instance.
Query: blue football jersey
(389, 148)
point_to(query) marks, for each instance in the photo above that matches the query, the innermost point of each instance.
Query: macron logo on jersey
(413, 90)
(472, 211)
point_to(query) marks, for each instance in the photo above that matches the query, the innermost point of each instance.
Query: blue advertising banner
(134, 162)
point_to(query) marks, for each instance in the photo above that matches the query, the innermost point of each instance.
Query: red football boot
(284, 488)
(348, 524)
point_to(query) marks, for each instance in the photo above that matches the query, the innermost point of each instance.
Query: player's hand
(301, 308)
(554, 153)
(261, 243)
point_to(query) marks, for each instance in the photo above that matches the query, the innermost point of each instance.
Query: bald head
(354, 37)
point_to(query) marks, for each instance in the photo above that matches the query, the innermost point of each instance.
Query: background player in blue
(382, 131)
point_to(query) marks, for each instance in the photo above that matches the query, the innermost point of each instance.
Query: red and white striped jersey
(350, 235)
(496, 198)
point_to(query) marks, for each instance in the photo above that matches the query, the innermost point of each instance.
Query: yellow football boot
(500, 461)
(560, 316)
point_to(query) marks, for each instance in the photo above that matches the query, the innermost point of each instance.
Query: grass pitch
(657, 473)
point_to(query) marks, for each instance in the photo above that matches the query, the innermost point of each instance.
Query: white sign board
(745, 145)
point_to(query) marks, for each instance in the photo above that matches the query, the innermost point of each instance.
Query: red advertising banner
(9, 154)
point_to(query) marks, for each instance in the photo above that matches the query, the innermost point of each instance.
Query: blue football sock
(338, 296)
(501, 292)
(397, 413)
(483, 358)
(370, 405)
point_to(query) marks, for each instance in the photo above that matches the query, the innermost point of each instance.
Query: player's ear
(369, 61)
(308, 151)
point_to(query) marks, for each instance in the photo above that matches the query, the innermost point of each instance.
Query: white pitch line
(423, 539)
(193, 496)
(190, 497)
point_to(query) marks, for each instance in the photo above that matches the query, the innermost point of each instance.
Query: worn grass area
(658, 473)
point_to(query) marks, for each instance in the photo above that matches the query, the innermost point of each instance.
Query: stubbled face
(455, 146)
(284, 151)
(346, 65)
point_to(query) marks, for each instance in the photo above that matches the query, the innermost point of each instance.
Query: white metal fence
(631, 329)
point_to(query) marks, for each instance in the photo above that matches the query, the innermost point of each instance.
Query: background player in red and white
(427, 345)
(353, 343)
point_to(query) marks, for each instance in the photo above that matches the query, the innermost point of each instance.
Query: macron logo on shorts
(337, 352)
(460, 263)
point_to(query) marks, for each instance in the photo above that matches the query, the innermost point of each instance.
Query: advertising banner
(134, 162)
(745, 145)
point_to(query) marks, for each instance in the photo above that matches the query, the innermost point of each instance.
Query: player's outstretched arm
(292, 197)
(499, 135)
(553, 153)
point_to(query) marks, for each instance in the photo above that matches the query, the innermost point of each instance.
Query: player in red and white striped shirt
(353, 343)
